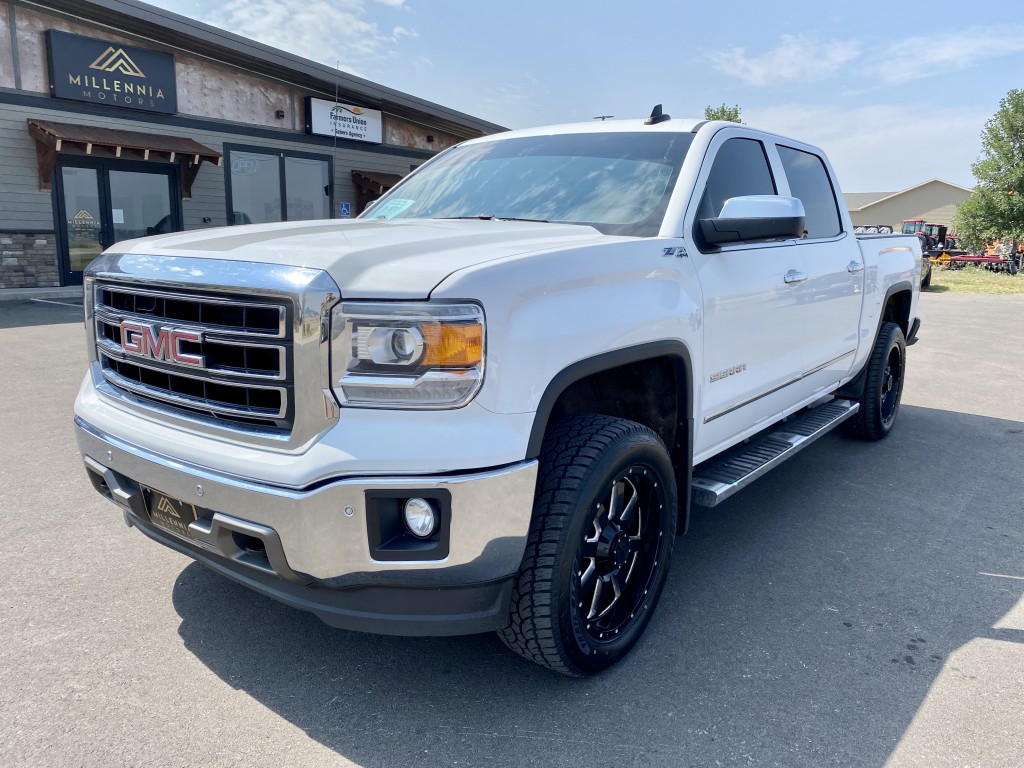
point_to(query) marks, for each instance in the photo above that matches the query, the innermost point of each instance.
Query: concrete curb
(27, 294)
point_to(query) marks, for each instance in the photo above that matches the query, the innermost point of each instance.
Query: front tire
(883, 387)
(598, 551)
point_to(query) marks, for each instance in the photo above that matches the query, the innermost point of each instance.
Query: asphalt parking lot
(861, 605)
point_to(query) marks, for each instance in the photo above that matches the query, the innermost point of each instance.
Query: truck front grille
(218, 357)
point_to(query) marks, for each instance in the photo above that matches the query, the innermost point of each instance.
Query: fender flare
(855, 387)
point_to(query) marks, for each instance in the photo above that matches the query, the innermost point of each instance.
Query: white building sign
(346, 121)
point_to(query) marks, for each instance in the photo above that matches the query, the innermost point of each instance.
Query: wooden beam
(46, 155)
(189, 171)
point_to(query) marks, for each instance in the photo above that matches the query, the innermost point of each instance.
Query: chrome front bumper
(316, 544)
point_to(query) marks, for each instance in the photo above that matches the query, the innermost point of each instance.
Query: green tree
(723, 112)
(995, 209)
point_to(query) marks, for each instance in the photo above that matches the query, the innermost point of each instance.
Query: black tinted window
(809, 181)
(740, 168)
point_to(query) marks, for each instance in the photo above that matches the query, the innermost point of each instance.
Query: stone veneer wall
(28, 260)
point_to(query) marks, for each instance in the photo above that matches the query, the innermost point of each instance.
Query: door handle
(793, 277)
(854, 267)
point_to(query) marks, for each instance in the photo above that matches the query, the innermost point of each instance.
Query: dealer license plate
(169, 513)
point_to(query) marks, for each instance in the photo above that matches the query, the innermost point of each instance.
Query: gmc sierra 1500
(488, 402)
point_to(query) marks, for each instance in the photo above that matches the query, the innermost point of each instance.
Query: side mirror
(755, 218)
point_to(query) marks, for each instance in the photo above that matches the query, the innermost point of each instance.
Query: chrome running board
(718, 479)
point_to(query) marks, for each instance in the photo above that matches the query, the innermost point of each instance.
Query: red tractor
(933, 236)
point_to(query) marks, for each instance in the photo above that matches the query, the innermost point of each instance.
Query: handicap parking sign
(346, 210)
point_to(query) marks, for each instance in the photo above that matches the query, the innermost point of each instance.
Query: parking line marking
(1001, 576)
(62, 303)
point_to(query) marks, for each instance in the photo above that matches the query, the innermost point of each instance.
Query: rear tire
(599, 546)
(883, 387)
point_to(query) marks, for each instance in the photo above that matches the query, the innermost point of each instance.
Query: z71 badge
(728, 372)
(678, 251)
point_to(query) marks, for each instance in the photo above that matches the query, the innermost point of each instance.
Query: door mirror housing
(755, 218)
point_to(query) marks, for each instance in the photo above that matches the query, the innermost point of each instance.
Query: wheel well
(638, 384)
(645, 392)
(897, 310)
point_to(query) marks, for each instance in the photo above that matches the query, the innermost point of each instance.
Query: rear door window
(809, 181)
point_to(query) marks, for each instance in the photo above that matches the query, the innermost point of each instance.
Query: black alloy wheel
(891, 386)
(618, 557)
(598, 550)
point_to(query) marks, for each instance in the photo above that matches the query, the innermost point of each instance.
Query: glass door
(82, 218)
(140, 204)
(104, 201)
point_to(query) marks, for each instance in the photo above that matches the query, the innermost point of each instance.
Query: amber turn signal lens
(453, 346)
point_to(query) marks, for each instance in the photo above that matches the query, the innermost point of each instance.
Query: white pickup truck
(489, 402)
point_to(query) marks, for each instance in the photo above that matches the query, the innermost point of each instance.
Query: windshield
(619, 183)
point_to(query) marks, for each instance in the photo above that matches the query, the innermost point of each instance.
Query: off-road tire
(583, 458)
(877, 412)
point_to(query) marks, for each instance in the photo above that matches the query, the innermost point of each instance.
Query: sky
(895, 92)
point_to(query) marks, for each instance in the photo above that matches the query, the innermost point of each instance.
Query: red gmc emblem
(146, 340)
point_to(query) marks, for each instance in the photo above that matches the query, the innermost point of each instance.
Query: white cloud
(806, 58)
(392, 3)
(515, 104)
(918, 57)
(329, 31)
(796, 57)
(882, 148)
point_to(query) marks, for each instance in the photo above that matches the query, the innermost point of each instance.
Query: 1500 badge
(728, 372)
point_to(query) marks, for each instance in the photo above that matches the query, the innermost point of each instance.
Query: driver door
(752, 312)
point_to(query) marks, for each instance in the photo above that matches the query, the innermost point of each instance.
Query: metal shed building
(934, 200)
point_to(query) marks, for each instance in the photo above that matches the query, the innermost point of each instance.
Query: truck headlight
(422, 355)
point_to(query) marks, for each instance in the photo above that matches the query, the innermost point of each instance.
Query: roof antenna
(657, 116)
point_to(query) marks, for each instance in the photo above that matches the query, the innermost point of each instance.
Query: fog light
(420, 517)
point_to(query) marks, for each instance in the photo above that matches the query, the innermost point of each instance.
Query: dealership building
(119, 119)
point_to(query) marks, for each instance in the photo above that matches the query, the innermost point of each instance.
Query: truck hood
(369, 258)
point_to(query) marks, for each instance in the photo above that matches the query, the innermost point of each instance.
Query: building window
(276, 186)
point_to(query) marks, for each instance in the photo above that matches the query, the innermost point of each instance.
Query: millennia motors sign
(344, 121)
(103, 72)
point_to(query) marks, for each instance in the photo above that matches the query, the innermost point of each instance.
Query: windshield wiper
(490, 217)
